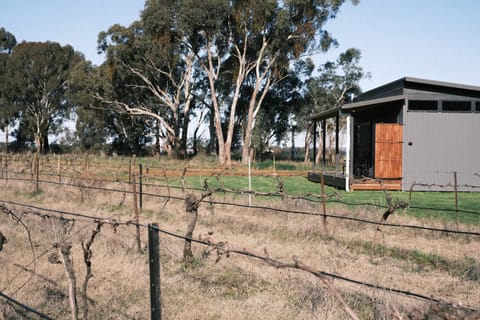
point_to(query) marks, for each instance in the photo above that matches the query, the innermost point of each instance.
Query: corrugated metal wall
(437, 144)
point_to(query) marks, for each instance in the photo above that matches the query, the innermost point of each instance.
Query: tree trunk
(308, 142)
(45, 144)
(216, 109)
(184, 140)
(219, 134)
(212, 144)
(242, 73)
(319, 153)
(64, 253)
(167, 147)
(247, 138)
(157, 138)
(191, 207)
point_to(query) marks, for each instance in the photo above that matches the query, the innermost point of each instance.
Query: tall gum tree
(263, 38)
(7, 43)
(38, 79)
(154, 72)
(335, 83)
(85, 82)
(244, 47)
(279, 32)
(204, 31)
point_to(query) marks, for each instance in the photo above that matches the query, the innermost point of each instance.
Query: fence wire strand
(24, 306)
(242, 252)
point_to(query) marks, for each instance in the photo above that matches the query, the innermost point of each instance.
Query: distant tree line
(239, 68)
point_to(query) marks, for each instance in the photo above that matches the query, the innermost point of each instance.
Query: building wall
(437, 144)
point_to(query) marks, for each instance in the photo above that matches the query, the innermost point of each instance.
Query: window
(422, 105)
(456, 106)
(477, 106)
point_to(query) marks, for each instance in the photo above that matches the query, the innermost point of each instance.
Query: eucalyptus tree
(38, 75)
(275, 33)
(336, 83)
(281, 104)
(243, 47)
(152, 72)
(86, 80)
(7, 43)
(254, 46)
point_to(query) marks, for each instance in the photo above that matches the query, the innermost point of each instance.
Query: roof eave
(349, 107)
(324, 114)
(355, 105)
(442, 84)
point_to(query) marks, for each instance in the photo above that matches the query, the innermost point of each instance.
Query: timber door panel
(388, 150)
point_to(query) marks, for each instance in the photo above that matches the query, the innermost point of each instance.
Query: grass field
(434, 264)
(430, 205)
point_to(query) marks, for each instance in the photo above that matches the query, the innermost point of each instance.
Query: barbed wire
(443, 186)
(310, 197)
(24, 306)
(299, 212)
(216, 174)
(444, 172)
(224, 249)
(222, 246)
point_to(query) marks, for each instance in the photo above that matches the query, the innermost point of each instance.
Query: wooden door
(388, 150)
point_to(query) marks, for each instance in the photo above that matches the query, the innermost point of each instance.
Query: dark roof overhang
(441, 84)
(352, 107)
(327, 114)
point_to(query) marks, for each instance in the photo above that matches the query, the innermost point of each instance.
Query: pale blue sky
(74, 22)
(431, 39)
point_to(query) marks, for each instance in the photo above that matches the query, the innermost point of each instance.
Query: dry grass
(442, 266)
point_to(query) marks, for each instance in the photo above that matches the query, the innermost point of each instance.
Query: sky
(429, 39)
(74, 22)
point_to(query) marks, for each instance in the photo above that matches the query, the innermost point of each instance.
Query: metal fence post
(154, 264)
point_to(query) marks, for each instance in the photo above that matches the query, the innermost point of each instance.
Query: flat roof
(324, 114)
(359, 104)
(400, 83)
(349, 107)
(442, 83)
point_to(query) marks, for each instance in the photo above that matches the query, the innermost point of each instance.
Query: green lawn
(430, 205)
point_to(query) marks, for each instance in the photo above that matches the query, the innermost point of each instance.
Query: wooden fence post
(130, 170)
(37, 170)
(323, 202)
(59, 159)
(411, 190)
(249, 182)
(135, 207)
(154, 265)
(6, 153)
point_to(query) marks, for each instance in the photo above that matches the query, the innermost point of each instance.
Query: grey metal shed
(409, 133)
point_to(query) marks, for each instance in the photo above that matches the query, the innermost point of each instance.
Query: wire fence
(221, 248)
(165, 187)
(24, 309)
(274, 210)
